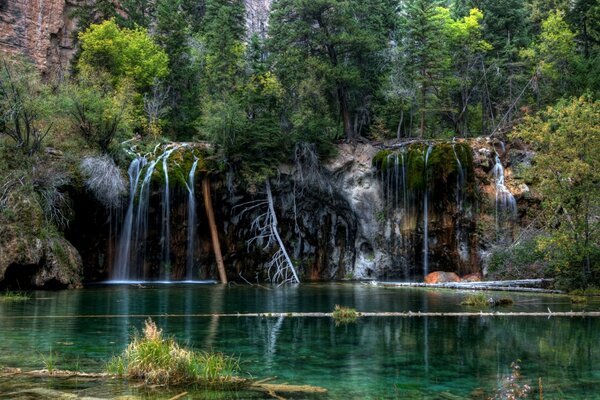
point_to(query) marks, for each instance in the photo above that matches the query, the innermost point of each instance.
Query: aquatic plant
(476, 300)
(578, 299)
(482, 300)
(344, 315)
(49, 362)
(13, 297)
(159, 360)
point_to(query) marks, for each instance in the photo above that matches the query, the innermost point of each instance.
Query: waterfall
(460, 180)
(506, 205)
(165, 231)
(121, 268)
(426, 215)
(191, 222)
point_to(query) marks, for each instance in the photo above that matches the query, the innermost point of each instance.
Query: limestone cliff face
(40, 30)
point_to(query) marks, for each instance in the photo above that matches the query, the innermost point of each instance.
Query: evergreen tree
(336, 42)
(427, 51)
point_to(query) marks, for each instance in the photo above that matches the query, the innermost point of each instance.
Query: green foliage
(566, 172)
(125, 54)
(519, 261)
(553, 56)
(28, 107)
(97, 111)
(159, 360)
(331, 49)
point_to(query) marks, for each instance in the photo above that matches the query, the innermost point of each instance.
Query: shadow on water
(376, 357)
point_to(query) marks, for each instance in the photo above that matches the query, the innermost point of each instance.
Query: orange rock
(475, 277)
(441, 277)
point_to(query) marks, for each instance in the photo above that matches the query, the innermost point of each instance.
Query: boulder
(474, 277)
(441, 277)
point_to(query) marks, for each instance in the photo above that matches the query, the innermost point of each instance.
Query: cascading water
(131, 261)
(165, 240)
(121, 269)
(191, 221)
(506, 205)
(416, 180)
(426, 214)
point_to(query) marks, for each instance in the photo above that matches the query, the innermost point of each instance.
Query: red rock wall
(40, 30)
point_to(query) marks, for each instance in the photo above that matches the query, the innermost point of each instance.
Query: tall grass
(158, 360)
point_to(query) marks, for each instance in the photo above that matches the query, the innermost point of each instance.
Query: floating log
(521, 285)
(403, 314)
(243, 383)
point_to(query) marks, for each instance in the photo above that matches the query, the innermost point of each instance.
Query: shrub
(104, 180)
(159, 360)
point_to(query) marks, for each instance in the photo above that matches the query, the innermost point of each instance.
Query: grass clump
(13, 297)
(159, 360)
(476, 300)
(578, 299)
(344, 315)
(481, 300)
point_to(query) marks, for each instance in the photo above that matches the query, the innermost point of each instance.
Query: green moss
(380, 160)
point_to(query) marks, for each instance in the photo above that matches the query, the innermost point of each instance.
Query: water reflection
(376, 357)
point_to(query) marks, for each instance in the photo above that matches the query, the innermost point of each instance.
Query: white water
(506, 205)
(426, 216)
(165, 232)
(121, 268)
(191, 221)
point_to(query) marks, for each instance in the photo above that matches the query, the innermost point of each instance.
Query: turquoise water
(374, 358)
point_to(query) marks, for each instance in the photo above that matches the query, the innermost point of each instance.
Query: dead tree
(280, 268)
(213, 229)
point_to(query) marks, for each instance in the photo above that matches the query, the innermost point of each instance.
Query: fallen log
(271, 389)
(522, 285)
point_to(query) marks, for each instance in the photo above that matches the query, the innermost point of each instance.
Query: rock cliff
(40, 30)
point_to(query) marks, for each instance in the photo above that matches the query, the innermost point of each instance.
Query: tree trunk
(213, 228)
(345, 113)
(274, 227)
(422, 111)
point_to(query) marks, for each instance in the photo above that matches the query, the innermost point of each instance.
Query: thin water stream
(374, 358)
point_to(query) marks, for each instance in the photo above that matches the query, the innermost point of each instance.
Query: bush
(521, 260)
(159, 360)
(104, 180)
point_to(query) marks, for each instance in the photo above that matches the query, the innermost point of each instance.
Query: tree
(125, 54)
(468, 50)
(553, 56)
(426, 47)
(223, 39)
(97, 111)
(566, 171)
(338, 43)
(28, 108)
(174, 34)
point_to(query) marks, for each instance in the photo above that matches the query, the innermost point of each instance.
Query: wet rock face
(40, 30)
